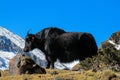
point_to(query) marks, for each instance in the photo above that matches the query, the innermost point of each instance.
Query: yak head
(30, 42)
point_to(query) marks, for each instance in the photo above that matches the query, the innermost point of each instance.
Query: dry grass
(65, 75)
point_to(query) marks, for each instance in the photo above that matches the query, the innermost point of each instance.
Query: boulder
(13, 69)
(21, 64)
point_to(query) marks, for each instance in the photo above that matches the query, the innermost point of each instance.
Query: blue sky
(99, 17)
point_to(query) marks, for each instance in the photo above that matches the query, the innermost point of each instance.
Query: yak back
(72, 46)
(50, 32)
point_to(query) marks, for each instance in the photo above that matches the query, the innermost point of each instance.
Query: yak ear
(33, 39)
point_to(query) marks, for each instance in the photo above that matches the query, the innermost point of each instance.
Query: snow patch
(110, 41)
(116, 45)
(70, 65)
(4, 59)
(13, 37)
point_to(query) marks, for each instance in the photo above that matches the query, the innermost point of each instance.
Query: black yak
(58, 44)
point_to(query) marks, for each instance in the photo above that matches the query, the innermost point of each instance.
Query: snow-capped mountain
(11, 44)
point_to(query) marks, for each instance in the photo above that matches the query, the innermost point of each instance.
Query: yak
(59, 44)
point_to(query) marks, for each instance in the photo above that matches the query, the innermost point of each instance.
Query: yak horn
(28, 32)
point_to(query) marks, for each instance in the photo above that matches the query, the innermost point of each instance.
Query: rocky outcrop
(21, 64)
(115, 37)
(13, 65)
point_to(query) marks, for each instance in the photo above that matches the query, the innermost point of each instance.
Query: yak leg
(48, 65)
(51, 61)
(52, 65)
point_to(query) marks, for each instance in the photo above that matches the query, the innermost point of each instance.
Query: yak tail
(90, 42)
(93, 45)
